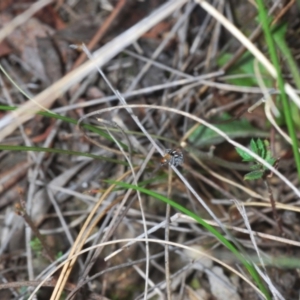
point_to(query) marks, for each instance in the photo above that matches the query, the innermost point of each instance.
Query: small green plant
(36, 246)
(59, 255)
(262, 149)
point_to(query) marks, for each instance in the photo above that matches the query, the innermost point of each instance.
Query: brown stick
(21, 211)
(276, 217)
(19, 284)
(101, 32)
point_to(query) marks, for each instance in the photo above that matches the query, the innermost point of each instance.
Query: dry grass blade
(263, 273)
(168, 123)
(249, 45)
(80, 240)
(22, 18)
(215, 129)
(101, 32)
(10, 122)
(230, 182)
(200, 253)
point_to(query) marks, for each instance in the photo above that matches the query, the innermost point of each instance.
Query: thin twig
(22, 18)
(21, 211)
(132, 169)
(276, 217)
(46, 98)
(167, 237)
(193, 249)
(101, 32)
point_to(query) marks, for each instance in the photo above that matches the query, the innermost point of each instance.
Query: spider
(173, 157)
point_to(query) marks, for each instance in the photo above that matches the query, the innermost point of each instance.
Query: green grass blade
(263, 17)
(61, 151)
(91, 128)
(211, 229)
(279, 37)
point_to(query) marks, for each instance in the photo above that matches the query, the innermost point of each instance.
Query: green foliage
(241, 128)
(91, 128)
(36, 246)
(60, 151)
(59, 255)
(279, 33)
(264, 20)
(248, 265)
(23, 290)
(195, 284)
(262, 149)
(245, 68)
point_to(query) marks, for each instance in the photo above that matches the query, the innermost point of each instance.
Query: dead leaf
(220, 286)
(23, 39)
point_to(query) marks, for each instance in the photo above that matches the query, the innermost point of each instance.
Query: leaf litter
(61, 190)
